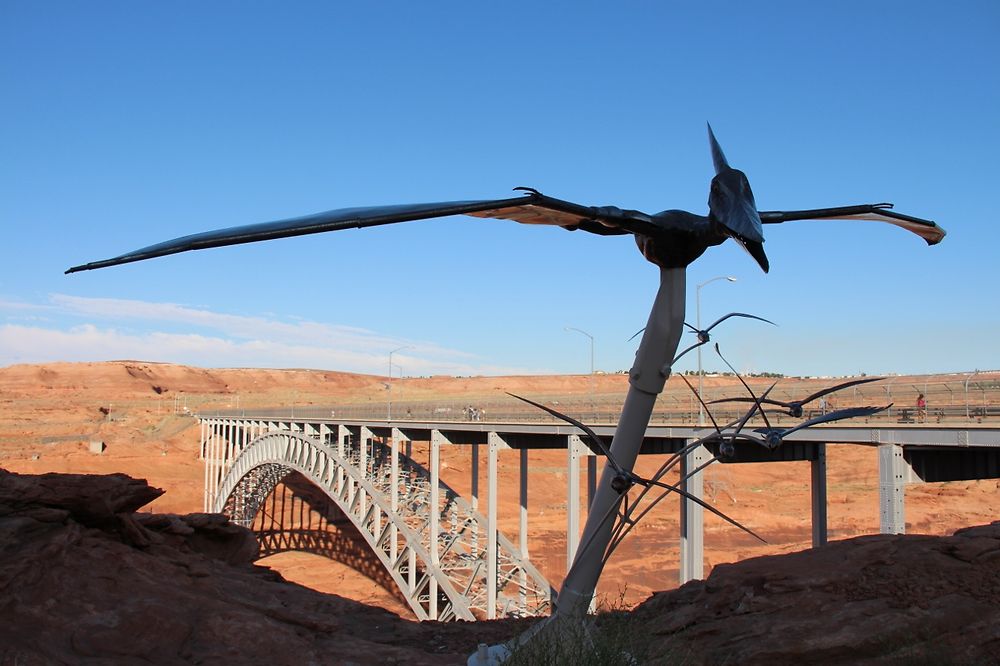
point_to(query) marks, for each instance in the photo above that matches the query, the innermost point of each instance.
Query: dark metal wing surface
(531, 208)
(838, 387)
(880, 212)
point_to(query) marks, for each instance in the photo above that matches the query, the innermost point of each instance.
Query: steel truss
(439, 558)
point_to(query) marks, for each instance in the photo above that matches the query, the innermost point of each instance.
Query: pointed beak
(732, 207)
(718, 157)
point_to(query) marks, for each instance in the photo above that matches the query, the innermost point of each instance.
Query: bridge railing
(962, 399)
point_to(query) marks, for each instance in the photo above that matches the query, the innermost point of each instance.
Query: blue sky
(125, 124)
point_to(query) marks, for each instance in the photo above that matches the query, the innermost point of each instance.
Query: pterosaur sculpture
(671, 239)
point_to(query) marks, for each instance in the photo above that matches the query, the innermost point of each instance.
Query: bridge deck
(907, 453)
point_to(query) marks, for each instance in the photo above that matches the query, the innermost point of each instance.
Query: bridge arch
(299, 517)
(441, 570)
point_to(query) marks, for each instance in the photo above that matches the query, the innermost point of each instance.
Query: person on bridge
(921, 408)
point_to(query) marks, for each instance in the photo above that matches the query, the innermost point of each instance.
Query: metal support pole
(591, 479)
(323, 433)
(523, 495)
(646, 381)
(692, 547)
(204, 457)
(819, 517)
(891, 494)
(342, 434)
(226, 444)
(217, 463)
(411, 572)
(523, 525)
(246, 437)
(216, 427)
(474, 471)
(475, 477)
(697, 310)
(491, 527)
(220, 444)
(349, 478)
(435, 518)
(227, 453)
(366, 438)
(397, 435)
(573, 446)
(222, 432)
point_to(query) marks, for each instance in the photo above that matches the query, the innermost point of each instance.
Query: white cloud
(222, 340)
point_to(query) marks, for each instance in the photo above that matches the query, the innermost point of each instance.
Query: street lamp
(388, 411)
(697, 307)
(968, 417)
(591, 380)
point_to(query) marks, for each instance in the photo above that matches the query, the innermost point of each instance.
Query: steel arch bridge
(439, 551)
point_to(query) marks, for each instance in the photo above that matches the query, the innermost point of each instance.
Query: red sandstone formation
(85, 579)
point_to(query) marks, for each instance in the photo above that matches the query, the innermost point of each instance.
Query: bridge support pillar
(892, 476)
(591, 479)
(523, 524)
(692, 547)
(222, 436)
(204, 457)
(364, 445)
(494, 442)
(210, 461)
(574, 451)
(437, 438)
(819, 517)
(474, 482)
(397, 437)
(245, 439)
(343, 435)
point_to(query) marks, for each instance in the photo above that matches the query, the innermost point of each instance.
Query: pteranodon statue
(671, 239)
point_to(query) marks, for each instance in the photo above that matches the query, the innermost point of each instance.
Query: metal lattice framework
(433, 543)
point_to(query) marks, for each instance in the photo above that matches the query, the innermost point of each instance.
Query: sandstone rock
(83, 579)
(90, 499)
(875, 599)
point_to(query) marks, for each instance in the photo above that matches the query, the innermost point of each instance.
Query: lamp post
(697, 307)
(388, 411)
(593, 409)
(968, 416)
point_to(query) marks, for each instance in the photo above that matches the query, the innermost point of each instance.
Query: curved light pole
(968, 417)
(388, 411)
(697, 307)
(593, 409)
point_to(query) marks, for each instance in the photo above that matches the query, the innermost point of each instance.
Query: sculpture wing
(768, 401)
(838, 415)
(832, 389)
(880, 212)
(532, 208)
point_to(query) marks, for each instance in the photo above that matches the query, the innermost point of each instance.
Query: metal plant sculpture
(670, 239)
(723, 440)
(794, 407)
(703, 334)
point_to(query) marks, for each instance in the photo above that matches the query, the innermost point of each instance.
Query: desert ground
(143, 413)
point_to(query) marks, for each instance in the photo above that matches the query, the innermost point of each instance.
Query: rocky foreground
(85, 579)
